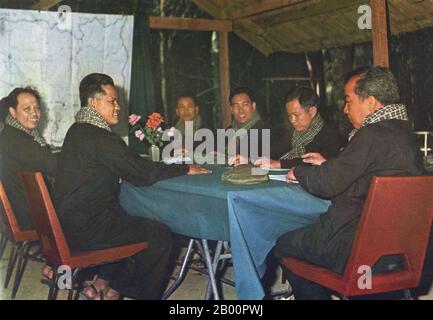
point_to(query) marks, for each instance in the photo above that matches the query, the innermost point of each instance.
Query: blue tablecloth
(200, 206)
(194, 206)
(257, 219)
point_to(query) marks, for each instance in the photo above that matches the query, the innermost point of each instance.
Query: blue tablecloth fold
(251, 217)
(256, 220)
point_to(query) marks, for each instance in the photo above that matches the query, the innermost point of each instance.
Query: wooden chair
(396, 220)
(53, 242)
(22, 241)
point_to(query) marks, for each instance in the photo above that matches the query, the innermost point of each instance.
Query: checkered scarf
(196, 124)
(11, 121)
(301, 139)
(389, 112)
(247, 126)
(242, 134)
(91, 116)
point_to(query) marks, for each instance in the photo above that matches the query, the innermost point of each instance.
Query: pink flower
(133, 119)
(140, 135)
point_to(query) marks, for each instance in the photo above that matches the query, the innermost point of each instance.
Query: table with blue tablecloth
(250, 217)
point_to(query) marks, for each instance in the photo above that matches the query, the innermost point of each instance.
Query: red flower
(155, 120)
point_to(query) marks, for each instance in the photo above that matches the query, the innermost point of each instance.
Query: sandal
(117, 295)
(95, 293)
(47, 275)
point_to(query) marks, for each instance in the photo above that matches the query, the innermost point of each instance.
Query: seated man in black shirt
(248, 127)
(189, 121)
(92, 161)
(382, 144)
(311, 133)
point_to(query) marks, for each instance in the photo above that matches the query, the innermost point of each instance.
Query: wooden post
(223, 27)
(380, 32)
(224, 77)
(172, 23)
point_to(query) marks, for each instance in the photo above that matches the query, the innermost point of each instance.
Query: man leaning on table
(246, 120)
(380, 145)
(93, 159)
(311, 132)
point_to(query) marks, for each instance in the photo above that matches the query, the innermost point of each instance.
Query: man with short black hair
(92, 161)
(311, 133)
(245, 119)
(187, 112)
(381, 144)
(243, 108)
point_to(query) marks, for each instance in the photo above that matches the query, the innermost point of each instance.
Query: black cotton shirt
(327, 142)
(386, 148)
(87, 185)
(19, 152)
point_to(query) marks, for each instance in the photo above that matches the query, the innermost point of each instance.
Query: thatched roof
(310, 25)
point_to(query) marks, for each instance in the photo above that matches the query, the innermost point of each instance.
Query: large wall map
(39, 49)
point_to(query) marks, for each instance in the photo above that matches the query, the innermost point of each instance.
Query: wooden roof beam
(260, 7)
(306, 10)
(190, 24)
(253, 34)
(212, 9)
(45, 4)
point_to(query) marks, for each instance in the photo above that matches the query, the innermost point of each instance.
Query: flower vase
(154, 153)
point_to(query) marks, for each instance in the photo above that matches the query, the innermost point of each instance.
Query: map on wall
(41, 50)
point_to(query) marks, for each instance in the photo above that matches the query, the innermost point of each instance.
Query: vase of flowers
(151, 131)
(155, 153)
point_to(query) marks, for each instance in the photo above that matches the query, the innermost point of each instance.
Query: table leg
(210, 269)
(211, 266)
(182, 273)
(225, 256)
(216, 259)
